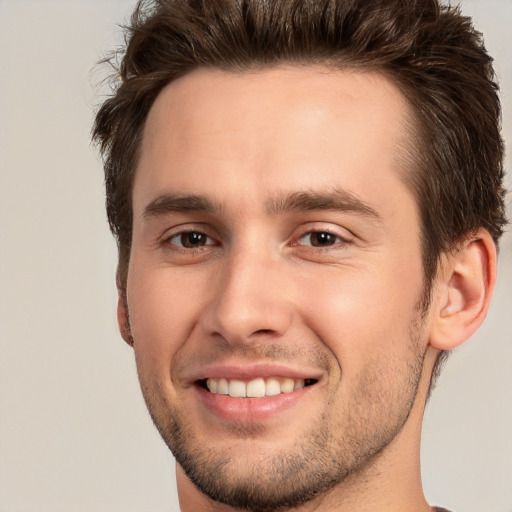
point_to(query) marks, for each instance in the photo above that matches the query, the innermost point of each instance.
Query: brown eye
(322, 239)
(190, 239)
(193, 239)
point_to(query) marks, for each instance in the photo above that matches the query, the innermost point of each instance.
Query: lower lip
(251, 410)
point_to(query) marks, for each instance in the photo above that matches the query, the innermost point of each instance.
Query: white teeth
(287, 386)
(255, 388)
(222, 387)
(272, 387)
(212, 385)
(298, 384)
(237, 389)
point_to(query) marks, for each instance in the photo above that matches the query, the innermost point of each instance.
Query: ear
(464, 288)
(123, 316)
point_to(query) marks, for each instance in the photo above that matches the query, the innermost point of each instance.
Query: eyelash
(337, 241)
(181, 234)
(326, 233)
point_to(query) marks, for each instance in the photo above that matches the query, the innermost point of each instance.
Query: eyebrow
(334, 199)
(302, 201)
(171, 203)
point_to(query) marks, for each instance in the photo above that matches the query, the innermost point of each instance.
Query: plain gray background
(74, 432)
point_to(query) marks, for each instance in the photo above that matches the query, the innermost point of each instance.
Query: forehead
(299, 128)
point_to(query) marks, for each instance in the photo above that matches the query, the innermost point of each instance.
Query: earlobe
(465, 285)
(123, 317)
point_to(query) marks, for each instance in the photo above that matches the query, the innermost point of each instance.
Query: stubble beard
(320, 461)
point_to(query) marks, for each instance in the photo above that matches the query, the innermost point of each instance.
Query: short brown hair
(431, 52)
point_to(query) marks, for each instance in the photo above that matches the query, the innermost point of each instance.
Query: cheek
(163, 311)
(362, 316)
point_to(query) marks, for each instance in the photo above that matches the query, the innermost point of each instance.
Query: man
(307, 198)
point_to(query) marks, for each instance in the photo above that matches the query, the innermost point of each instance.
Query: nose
(251, 300)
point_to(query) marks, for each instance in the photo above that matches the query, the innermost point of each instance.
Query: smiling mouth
(255, 388)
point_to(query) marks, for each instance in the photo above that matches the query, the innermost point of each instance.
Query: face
(274, 280)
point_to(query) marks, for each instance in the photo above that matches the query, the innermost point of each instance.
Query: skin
(264, 287)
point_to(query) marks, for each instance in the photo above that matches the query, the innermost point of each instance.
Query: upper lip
(252, 371)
